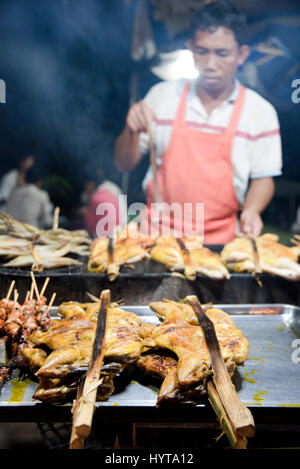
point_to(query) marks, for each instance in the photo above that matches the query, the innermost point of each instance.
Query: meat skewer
(83, 411)
(238, 414)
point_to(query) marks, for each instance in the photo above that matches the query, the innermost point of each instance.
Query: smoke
(66, 65)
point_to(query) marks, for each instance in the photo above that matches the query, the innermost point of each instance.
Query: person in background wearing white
(29, 203)
(14, 178)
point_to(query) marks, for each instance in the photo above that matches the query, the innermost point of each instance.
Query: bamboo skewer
(16, 295)
(27, 296)
(35, 285)
(235, 440)
(257, 268)
(51, 301)
(38, 261)
(44, 287)
(31, 291)
(10, 289)
(238, 414)
(55, 218)
(85, 406)
(189, 269)
(76, 442)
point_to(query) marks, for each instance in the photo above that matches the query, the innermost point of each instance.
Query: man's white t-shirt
(256, 149)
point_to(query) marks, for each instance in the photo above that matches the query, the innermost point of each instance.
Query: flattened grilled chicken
(130, 247)
(173, 311)
(190, 256)
(188, 343)
(167, 251)
(71, 340)
(208, 263)
(274, 257)
(277, 259)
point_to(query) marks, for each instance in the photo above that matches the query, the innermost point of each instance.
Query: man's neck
(211, 99)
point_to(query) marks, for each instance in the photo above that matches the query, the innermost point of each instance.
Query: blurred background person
(106, 192)
(14, 178)
(29, 203)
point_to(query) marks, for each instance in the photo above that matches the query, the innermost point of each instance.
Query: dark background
(67, 67)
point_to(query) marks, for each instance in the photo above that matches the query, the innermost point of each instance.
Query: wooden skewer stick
(257, 267)
(27, 296)
(84, 415)
(51, 301)
(189, 268)
(35, 285)
(16, 295)
(31, 291)
(38, 261)
(44, 286)
(76, 442)
(238, 414)
(10, 289)
(236, 441)
(56, 218)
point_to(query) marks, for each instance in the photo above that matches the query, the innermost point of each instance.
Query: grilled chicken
(179, 334)
(71, 339)
(273, 257)
(130, 247)
(190, 256)
(60, 389)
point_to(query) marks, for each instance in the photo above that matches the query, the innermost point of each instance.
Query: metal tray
(269, 379)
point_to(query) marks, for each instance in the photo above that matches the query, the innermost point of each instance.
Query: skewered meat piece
(14, 322)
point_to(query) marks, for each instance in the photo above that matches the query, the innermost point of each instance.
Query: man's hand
(251, 223)
(139, 117)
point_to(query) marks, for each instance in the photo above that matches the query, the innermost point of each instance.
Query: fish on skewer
(20, 244)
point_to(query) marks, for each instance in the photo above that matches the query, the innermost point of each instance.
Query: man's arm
(259, 195)
(127, 152)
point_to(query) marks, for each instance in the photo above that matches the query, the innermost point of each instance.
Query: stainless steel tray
(269, 379)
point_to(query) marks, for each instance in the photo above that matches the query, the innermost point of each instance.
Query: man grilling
(216, 141)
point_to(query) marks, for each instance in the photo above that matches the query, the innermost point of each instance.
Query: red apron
(197, 167)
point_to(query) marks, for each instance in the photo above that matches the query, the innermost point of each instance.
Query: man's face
(217, 56)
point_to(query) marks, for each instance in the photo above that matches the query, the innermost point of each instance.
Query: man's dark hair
(221, 13)
(34, 175)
